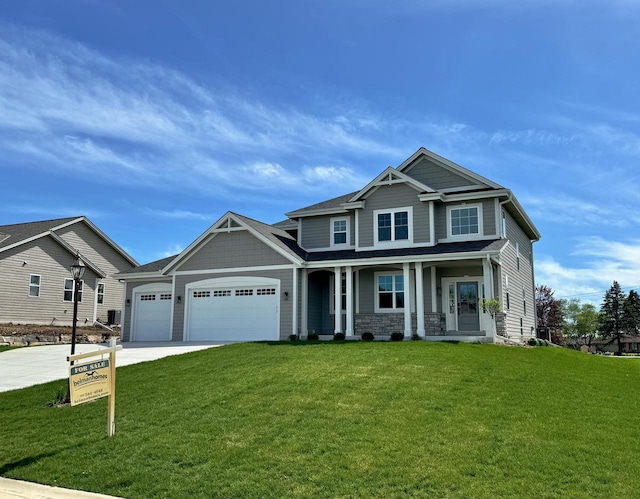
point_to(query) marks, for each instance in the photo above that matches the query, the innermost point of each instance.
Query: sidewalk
(13, 489)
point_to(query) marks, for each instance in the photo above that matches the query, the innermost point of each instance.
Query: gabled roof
(15, 235)
(330, 205)
(276, 238)
(445, 163)
(388, 177)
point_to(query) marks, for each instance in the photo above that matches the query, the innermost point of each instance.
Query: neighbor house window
(390, 292)
(393, 225)
(465, 220)
(339, 231)
(100, 293)
(68, 290)
(34, 285)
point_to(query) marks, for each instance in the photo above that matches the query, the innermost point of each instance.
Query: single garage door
(233, 313)
(152, 316)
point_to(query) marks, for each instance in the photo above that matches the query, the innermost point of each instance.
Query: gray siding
(51, 261)
(232, 249)
(488, 218)
(105, 257)
(316, 231)
(436, 176)
(125, 333)
(391, 197)
(286, 306)
(519, 280)
(319, 319)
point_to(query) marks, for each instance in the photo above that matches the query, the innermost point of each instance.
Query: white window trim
(347, 242)
(35, 285)
(465, 237)
(400, 242)
(376, 302)
(73, 290)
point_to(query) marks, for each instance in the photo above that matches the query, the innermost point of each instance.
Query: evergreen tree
(611, 321)
(632, 314)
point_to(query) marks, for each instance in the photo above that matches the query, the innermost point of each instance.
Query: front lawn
(342, 420)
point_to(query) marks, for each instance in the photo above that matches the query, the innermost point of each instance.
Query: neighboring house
(35, 283)
(630, 344)
(417, 250)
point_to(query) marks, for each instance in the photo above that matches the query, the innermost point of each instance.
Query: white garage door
(152, 316)
(233, 313)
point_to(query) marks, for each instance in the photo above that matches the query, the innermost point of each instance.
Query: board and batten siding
(128, 309)
(392, 197)
(519, 280)
(48, 259)
(488, 218)
(231, 250)
(286, 306)
(435, 176)
(105, 257)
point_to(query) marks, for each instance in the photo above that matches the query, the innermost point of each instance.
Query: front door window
(468, 317)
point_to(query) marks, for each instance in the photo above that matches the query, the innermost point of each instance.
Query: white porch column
(406, 277)
(487, 280)
(337, 304)
(419, 299)
(295, 302)
(349, 311)
(304, 302)
(434, 290)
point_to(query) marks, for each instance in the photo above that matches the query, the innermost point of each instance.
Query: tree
(611, 321)
(548, 309)
(631, 314)
(580, 322)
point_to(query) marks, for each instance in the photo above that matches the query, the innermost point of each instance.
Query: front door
(468, 317)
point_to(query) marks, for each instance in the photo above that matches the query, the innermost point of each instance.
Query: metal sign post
(94, 380)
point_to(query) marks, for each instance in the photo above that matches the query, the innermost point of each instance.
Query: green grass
(410, 419)
(4, 348)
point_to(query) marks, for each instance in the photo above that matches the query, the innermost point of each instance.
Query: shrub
(338, 336)
(293, 337)
(397, 336)
(313, 336)
(367, 336)
(416, 337)
(532, 342)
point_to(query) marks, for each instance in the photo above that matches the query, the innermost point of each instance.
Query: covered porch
(434, 300)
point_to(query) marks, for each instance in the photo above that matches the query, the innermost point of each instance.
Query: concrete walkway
(22, 367)
(27, 490)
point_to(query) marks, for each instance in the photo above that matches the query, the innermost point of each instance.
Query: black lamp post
(77, 271)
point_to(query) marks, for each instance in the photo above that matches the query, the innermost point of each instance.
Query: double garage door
(232, 313)
(229, 309)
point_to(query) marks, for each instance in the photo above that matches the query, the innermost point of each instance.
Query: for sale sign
(88, 382)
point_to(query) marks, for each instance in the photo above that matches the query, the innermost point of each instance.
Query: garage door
(152, 316)
(233, 313)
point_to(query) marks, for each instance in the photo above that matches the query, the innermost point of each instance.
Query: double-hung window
(68, 290)
(339, 232)
(100, 293)
(390, 292)
(464, 221)
(393, 225)
(34, 285)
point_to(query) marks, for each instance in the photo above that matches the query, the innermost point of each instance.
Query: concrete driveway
(22, 367)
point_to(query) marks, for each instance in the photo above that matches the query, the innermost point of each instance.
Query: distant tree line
(575, 324)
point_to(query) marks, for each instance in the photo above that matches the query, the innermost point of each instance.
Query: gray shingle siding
(436, 177)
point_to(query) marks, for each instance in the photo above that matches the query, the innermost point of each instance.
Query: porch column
(349, 311)
(419, 299)
(304, 302)
(337, 304)
(487, 280)
(406, 277)
(295, 302)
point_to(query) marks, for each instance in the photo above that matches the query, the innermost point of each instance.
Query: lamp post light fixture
(77, 271)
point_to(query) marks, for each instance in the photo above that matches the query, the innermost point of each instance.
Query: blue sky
(154, 118)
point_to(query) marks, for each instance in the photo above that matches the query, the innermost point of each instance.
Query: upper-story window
(393, 225)
(464, 221)
(339, 232)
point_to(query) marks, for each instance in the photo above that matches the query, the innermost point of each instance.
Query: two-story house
(417, 250)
